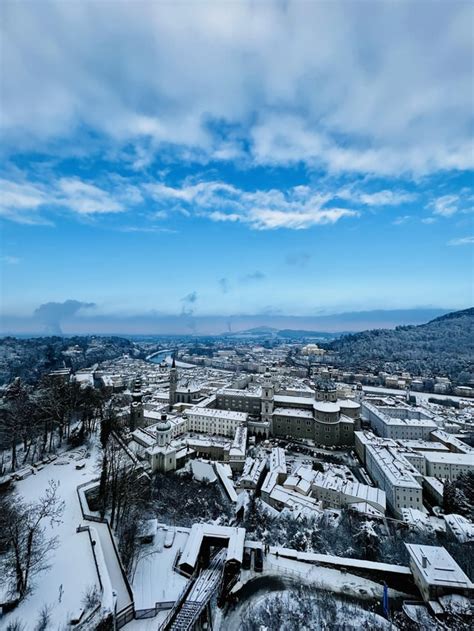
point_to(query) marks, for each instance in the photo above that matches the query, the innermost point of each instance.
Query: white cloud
(86, 199)
(341, 85)
(386, 198)
(462, 241)
(25, 202)
(445, 206)
(399, 221)
(297, 208)
(20, 201)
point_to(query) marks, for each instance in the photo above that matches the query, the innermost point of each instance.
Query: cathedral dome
(164, 425)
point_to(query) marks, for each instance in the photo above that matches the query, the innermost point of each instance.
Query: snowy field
(346, 617)
(154, 580)
(72, 570)
(330, 579)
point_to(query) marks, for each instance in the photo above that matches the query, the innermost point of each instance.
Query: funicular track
(188, 609)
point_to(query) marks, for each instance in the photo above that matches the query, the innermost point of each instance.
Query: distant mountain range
(88, 323)
(444, 347)
(290, 334)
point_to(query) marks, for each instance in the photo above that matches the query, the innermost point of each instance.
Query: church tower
(163, 432)
(173, 383)
(136, 406)
(268, 392)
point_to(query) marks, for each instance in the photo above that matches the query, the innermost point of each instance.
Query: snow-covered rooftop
(295, 412)
(234, 537)
(462, 528)
(437, 566)
(278, 460)
(217, 414)
(396, 467)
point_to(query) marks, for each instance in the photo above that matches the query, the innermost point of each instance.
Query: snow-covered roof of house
(303, 486)
(235, 548)
(235, 542)
(226, 480)
(330, 559)
(415, 517)
(203, 471)
(252, 474)
(449, 458)
(396, 467)
(271, 479)
(362, 492)
(85, 379)
(212, 413)
(305, 471)
(143, 437)
(160, 396)
(462, 528)
(436, 484)
(367, 437)
(388, 415)
(207, 402)
(437, 567)
(326, 406)
(422, 445)
(449, 439)
(348, 404)
(295, 412)
(239, 444)
(236, 392)
(291, 482)
(278, 460)
(156, 449)
(293, 500)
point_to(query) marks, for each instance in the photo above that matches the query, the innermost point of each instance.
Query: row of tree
(444, 346)
(124, 487)
(36, 420)
(458, 495)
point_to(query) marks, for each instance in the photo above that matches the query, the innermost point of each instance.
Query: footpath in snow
(72, 570)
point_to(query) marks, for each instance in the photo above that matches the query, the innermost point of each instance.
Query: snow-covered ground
(154, 580)
(113, 567)
(72, 570)
(360, 618)
(148, 624)
(329, 579)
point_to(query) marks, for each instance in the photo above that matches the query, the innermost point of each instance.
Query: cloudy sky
(223, 158)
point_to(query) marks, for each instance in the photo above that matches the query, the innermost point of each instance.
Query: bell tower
(173, 383)
(136, 406)
(268, 392)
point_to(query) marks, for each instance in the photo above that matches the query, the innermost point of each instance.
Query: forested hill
(30, 358)
(442, 347)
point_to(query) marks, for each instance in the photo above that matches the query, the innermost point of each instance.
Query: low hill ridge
(442, 347)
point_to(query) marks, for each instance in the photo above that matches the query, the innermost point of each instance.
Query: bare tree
(24, 535)
(54, 402)
(16, 419)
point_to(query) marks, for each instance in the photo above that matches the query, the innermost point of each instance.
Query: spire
(173, 365)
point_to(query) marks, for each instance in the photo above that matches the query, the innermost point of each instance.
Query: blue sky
(235, 158)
